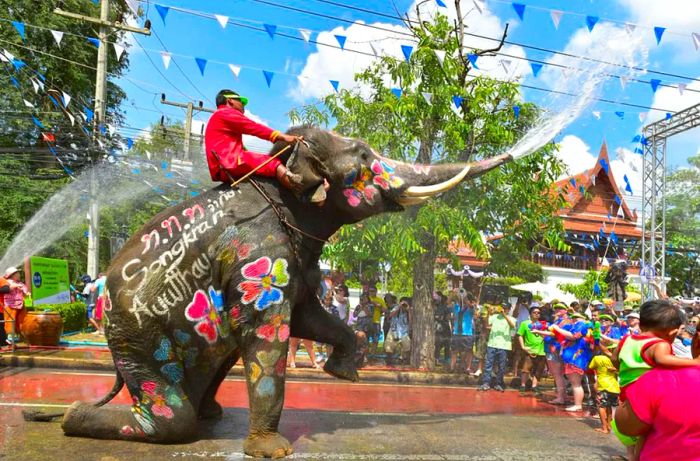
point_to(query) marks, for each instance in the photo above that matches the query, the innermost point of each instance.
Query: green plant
(74, 315)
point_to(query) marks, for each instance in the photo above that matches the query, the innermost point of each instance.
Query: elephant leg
(209, 408)
(265, 358)
(160, 413)
(311, 321)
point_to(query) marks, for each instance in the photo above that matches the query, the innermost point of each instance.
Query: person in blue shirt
(462, 330)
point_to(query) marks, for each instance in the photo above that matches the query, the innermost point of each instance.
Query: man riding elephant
(232, 273)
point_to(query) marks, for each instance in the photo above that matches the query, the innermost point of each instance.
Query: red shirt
(224, 135)
(667, 399)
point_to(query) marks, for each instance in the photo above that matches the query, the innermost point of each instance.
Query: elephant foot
(210, 410)
(342, 367)
(269, 445)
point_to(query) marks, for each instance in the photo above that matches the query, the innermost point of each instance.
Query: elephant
(232, 273)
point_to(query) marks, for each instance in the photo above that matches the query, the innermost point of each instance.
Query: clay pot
(42, 328)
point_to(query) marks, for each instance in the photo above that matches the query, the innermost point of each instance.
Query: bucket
(42, 328)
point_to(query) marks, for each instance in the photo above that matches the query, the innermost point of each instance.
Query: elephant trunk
(424, 182)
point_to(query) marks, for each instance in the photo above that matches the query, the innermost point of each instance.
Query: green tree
(683, 230)
(585, 289)
(515, 200)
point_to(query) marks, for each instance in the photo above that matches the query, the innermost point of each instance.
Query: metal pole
(93, 262)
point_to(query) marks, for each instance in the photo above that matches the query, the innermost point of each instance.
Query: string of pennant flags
(271, 29)
(590, 21)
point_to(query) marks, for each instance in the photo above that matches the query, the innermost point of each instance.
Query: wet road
(323, 420)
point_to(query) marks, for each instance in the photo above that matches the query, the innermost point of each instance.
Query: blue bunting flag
(536, 68)
(620, 114)
(397, 92)
(202, 64)
(457, 100)
(472, 59)
(654, 82)
(516, 112)
(94, 41)
(268, 77)
(519, 10)
(659, 32)
(20, 29)
(335, 84)
(270, 29)
(591, 21)
(407, 51)
(341, 41)
(162, 11)
(37, 122)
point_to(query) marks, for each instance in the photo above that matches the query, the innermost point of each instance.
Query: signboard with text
(49, 280)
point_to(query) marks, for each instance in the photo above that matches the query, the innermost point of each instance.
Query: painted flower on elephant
(263, 282)
(202, 311)
(160, 403)
(143, 417)
(384, 175)
(274, 329)
(271, 364)
(181, 354)
(358, 186)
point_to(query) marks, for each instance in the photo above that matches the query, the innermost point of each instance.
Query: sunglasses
(243, 99)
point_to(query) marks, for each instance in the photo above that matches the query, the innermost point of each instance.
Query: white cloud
(251, 143)
(327, 63)
(576, 155)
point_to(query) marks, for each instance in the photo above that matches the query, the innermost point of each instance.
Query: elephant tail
(113, 393)
(39, 416)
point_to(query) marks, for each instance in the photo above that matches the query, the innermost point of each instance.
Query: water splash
(127, 179)
(610, 51)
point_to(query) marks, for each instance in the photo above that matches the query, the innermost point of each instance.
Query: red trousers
(241, 164)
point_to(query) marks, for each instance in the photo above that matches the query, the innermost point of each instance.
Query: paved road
(324, 421)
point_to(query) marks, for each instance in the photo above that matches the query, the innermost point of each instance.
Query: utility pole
(106, 27)
(188, 120)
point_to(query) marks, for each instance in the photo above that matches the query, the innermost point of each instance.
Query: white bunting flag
(3, 58)
(596, 114)
(305, 34)
(28, 104)
(118, 50)
(440, 56)
(148, 154)
(623, 81)
(166, 59)
(593, 180)
(72, 119)
(223, 20)
(374, 49)
(428, 97)
(605, 262)
(505, 63)
(620, 212)
(642, 116)
(696, 41)
(66, 99)
(681, 88)
(112, 130)
(9, 55)
(556, 17)
(133, 6)
(630, 28)
(479, 6)
(235, 69)
(35, 85)
(58, 36)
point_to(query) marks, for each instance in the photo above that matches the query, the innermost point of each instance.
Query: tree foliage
(683, 230)
(514, 200)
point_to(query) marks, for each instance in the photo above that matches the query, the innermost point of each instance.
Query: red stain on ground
(37, 386)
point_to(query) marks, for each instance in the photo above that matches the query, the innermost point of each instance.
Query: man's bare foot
(602, 431)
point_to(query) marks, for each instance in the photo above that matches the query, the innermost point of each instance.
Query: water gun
(539, 326)
(596, 333)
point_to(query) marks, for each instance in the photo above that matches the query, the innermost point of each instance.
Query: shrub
(74, 314)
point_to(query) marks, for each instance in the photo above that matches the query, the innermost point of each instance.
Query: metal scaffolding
(654, 188)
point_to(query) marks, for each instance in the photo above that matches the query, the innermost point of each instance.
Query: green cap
(243, 99)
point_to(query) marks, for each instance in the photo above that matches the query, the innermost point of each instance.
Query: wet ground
(324, 420)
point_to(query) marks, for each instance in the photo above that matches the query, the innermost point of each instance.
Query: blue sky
(190, 35)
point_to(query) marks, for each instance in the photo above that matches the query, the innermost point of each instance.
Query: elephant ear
(300, 163)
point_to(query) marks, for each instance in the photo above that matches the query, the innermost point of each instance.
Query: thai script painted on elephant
(173, 227)
(263, 282)
(176, 287)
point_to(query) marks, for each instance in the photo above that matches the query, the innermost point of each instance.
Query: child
(608, 389)
(659, 324)
(14, 302)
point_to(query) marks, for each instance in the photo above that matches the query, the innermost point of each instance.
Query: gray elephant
(232, 273)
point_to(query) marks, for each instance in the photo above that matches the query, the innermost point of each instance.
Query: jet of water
(610, 51)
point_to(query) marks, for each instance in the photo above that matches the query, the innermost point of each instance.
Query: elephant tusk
(429, 191)
(409, 201)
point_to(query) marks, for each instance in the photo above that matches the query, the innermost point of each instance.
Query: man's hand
(290, 138)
